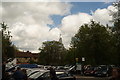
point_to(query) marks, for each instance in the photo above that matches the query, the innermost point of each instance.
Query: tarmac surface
(78, 77)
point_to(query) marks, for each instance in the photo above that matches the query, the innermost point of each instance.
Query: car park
(45, 75)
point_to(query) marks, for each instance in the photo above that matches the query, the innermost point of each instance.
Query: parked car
(103, 71)
(72, 70)
(65, 76)
(45, 75)
(32, 71)
(90, 71)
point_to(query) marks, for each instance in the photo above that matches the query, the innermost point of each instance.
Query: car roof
(38, 73)
(35, 70)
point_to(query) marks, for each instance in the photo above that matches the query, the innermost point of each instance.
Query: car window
(36, 75)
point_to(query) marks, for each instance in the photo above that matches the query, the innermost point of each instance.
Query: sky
(32, 23)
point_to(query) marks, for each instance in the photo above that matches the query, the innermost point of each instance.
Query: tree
(8, 49)
(92, 42)
(116, 31)
(52, 53)
(70, 57)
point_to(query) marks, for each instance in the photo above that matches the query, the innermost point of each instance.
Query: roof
(26, 54)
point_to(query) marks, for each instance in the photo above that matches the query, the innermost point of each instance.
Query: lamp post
(74, 58)
(83, 60)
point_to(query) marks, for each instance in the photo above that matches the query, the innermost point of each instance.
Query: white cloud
(59, 1)
(71, 23)
(54, 33)
(102, 16)
(29, 13)
(112, 8)
(2, 11)
(28, 22)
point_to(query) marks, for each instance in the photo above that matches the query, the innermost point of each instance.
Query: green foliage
(92, 42)
(116, 32)
(33, 62)
(116, 36)
(52, 53)
(70, 57)
(8, 49)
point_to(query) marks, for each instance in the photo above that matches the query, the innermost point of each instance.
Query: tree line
(97, 43)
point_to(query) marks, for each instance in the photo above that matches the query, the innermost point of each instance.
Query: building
(26, 57)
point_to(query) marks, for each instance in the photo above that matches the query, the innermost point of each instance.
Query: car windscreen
(36, 75)
(32, 73)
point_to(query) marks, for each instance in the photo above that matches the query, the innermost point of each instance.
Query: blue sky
(84, 7)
